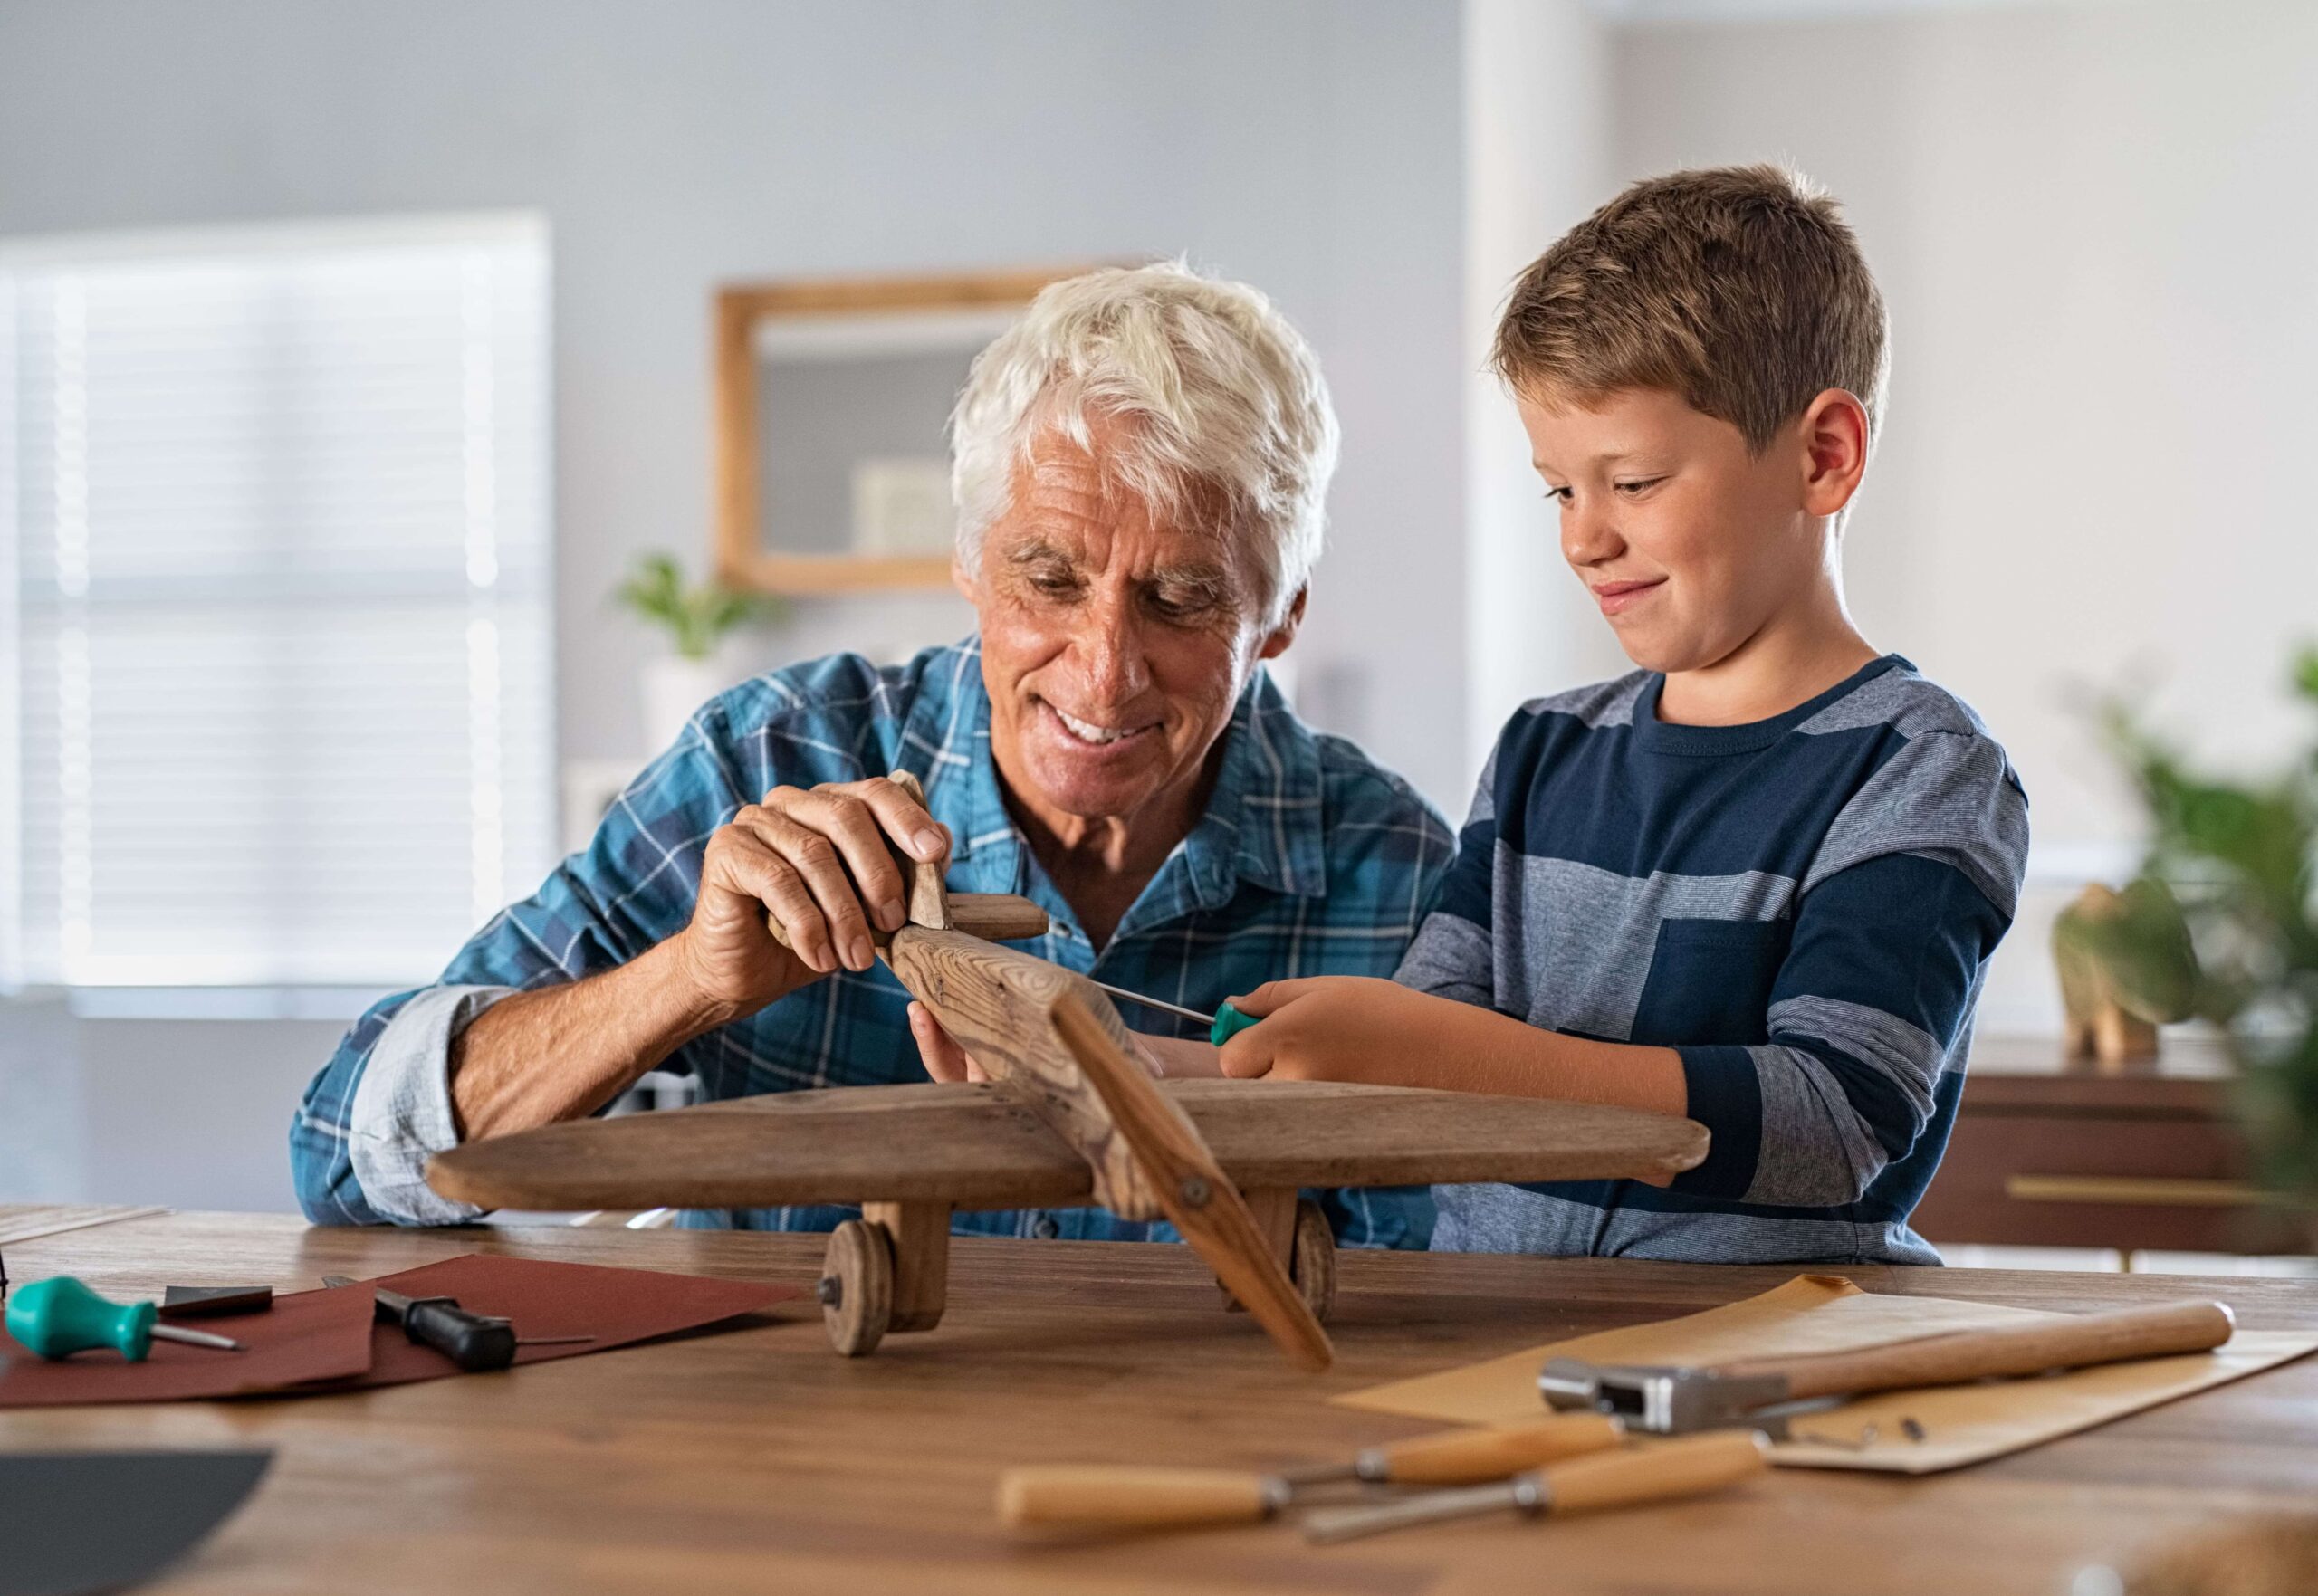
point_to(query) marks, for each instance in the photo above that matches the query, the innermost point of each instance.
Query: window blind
(275, 585)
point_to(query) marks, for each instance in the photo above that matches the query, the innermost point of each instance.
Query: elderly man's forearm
(562, 1052)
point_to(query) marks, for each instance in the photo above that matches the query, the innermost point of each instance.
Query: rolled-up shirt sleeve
(381, 1106)
(402, 1105)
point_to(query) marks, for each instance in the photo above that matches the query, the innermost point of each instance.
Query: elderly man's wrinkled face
(1115, 644)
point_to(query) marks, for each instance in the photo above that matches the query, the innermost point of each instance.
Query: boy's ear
(1285, 633)
(1835, 450)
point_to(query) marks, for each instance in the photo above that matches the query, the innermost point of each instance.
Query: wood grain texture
(1655, 1471)
(1979, 1354)
(1129, 1497)
(928, 903)
(752, 1461)
(856, 1287)
(998, 1005)
(1191, 1187)
(919, 1234)
(996, 917)
(981, 1147)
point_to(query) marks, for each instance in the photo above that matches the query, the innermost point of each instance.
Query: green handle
(56, 1318)
(1229, 1023)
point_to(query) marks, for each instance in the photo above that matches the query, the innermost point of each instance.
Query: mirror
(832, 397)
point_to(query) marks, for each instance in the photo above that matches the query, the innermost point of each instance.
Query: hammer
(1761, 1393)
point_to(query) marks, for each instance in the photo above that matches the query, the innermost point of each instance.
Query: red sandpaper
(615, 1306)
(312, 1336)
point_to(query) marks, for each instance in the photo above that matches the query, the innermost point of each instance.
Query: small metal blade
(1520, 1493)
(1205, 1019)
(196, 1338)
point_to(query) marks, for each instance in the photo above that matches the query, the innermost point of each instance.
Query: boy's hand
(1339, 1027)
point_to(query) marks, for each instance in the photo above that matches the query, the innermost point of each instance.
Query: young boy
(1758, 880)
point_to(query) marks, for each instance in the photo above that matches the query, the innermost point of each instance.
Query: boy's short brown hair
(1740, 288)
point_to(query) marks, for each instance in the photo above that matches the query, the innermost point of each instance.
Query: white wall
(1308, 146)
(2095, 228)
(1538, 159)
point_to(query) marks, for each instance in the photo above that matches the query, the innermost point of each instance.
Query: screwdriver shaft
(1207, 1019)
(196, 1338)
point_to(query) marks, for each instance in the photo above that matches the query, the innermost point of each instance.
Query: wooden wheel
(1312, 1261)
(856, 1287)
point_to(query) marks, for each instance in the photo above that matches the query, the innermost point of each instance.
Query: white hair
(1225, 398)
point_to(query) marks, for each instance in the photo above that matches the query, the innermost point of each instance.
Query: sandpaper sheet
(615, 1306)
(309, 1336)
(1812, 1314)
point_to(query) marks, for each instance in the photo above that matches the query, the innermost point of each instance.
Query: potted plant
(2223, 926)
(698, 620)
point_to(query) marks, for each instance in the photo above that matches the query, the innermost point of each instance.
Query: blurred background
(353, 356)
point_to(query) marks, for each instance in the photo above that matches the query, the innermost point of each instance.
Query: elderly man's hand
(944, 1060)
(817, 860)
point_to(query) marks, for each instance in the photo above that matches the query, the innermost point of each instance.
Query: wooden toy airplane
(1071, 1115)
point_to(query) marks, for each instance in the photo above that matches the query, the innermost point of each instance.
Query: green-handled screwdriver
(56, 1318)
(1225, 1024)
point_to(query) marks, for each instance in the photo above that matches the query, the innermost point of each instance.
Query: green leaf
(2143, 945)
(696, 619)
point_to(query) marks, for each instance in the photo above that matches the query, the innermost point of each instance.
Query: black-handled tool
(476, 1343)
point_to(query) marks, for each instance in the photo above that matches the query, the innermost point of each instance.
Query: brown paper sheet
(311, 1343)
(1825, 1314)
(615, 1306)
(306, 1337)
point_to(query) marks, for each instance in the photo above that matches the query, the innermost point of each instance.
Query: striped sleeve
(1914, 886)
(1451, 956)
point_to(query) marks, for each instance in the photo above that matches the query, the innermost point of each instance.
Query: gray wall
(1308, 146)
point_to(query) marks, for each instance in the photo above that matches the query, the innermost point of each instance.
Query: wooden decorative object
(2098, 1023)
(743, 560)
(1072, 1111)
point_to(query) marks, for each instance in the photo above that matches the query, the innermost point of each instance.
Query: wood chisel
(1762, 1393)
(457, 1325)
(1153, 1498)
(476, 1343)
(1626, 1478)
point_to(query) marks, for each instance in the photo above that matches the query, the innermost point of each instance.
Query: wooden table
(2049, 1152)
(756, 1460)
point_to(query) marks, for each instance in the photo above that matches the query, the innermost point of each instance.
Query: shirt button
(1046, 1227)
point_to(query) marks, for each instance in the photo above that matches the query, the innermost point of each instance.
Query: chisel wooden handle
(1979, 1354)
(1146, 1499)
(1654, 1473)
(1465, 1456)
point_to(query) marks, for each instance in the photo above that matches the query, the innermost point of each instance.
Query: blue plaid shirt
(1310, 860)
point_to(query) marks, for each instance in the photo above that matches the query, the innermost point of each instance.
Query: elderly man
(1139, 467)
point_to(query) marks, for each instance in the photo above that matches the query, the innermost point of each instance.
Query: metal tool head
(1666, 1400)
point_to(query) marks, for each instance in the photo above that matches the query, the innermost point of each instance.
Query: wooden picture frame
(743, 559)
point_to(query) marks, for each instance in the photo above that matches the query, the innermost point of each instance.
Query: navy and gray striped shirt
(1802, 907)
